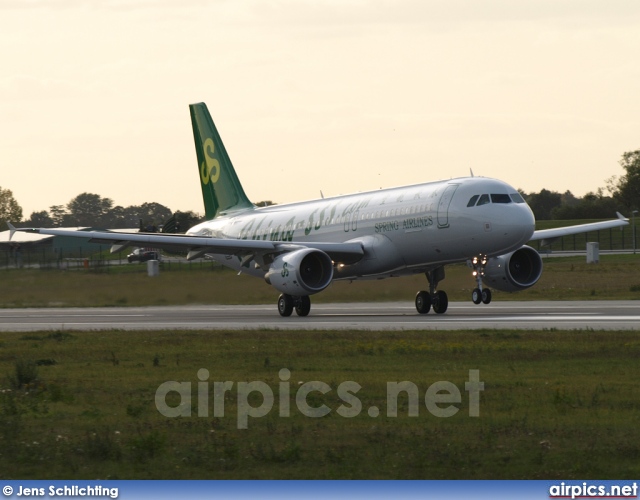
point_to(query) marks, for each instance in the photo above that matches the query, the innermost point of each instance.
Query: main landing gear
(287, 303)
(436, 299)
(479, 293)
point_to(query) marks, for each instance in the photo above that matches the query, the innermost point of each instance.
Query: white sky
(338, 95)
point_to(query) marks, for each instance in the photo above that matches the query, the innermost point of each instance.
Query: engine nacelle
(301, 272)
(514, 271)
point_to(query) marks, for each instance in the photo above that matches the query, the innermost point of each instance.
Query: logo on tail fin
(222, 192)
(210, 168)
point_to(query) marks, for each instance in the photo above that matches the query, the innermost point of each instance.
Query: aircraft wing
(197, 246)
(548, 236)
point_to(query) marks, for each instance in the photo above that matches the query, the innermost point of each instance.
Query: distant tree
(568, 199)
(119, 218)
(145, 216)
(92, 210)
(88, 209)
(127, 218)
(10, 211)
(153, 213)
(591, 206)
(266, 203)
(626, 189)
(39, 219)
(58, 214)
(543, 203)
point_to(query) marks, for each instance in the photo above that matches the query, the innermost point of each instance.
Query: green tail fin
(221, 188)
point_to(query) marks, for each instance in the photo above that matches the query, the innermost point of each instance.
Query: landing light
(483, 262)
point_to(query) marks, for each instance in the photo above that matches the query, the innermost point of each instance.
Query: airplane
(301, 248)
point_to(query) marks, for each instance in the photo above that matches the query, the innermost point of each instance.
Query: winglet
(12, 230)
(621, 217)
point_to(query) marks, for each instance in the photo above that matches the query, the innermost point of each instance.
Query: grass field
(82, 405)
(554, 405)
(564, 278)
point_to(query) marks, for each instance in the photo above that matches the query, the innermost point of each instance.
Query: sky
(334, 95)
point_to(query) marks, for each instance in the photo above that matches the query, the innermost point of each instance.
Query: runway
(578, 315)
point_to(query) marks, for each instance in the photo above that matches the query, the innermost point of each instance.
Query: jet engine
(301, 272)
(514, 271)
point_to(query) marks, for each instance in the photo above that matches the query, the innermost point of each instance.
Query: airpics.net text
(441, 399)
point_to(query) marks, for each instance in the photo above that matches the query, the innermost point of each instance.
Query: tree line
(621, 194)
(92, 210)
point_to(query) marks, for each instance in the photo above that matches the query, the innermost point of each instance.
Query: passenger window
(500, 198)
(517, 198)
(473, 200)
(484, 199)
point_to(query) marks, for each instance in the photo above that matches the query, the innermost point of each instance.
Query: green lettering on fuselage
(383, 227)
(417, 222)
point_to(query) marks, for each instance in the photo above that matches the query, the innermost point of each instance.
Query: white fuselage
(403, 230)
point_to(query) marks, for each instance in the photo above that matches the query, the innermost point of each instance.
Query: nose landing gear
(479, 293)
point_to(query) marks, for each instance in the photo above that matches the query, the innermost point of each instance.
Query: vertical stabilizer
(221, 188)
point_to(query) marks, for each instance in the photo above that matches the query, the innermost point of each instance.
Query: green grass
(559, 405)
(564, 278)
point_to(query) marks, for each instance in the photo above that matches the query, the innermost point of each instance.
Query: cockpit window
(500, 198)
(484, 199)
(478, 200)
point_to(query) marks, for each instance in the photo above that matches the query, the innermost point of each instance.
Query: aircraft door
(351, 221)
(443, 205)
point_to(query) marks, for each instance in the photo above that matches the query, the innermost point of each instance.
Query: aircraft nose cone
(522, 224)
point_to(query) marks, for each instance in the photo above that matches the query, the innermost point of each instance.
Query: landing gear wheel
(285, 305)
(303, 306)
(479, 293)
(440, 302)
(423, 302)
